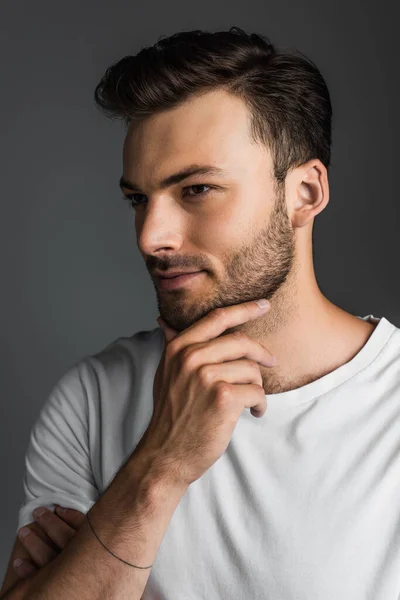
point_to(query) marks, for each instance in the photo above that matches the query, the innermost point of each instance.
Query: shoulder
(127, 356)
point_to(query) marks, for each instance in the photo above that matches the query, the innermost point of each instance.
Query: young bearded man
(178, 491)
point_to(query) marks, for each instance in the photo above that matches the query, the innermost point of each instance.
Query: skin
(253, 240)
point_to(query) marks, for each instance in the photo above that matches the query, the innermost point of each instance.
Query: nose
(160, 227)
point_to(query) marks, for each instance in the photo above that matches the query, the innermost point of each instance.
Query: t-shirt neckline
(379, 337)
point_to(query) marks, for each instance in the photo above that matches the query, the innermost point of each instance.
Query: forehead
(213, 127)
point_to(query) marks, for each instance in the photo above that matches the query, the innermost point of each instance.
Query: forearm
(131, 519)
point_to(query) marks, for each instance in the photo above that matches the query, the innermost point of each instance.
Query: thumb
(169, 333)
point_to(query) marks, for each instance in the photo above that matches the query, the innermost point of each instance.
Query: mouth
(171, 283)
(171, 274)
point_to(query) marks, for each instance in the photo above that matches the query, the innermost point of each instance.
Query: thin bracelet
(121, 559)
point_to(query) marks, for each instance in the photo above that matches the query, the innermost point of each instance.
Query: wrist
(154, 476)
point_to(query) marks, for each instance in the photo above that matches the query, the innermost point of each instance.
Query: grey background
(72, 276)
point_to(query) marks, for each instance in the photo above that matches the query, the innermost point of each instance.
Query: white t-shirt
(303, 505)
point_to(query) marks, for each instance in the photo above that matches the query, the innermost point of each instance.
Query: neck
(308, 334)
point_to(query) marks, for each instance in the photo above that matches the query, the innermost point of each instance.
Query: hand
(56, 531)
(202, 384)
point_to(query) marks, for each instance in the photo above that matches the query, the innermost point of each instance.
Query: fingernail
(61, 509)
(24, 532)
(17, 562)
(263, 303)
(38, 512)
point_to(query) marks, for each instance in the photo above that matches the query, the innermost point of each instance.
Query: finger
(24, 568)
(39, 551)
(231, 347)
(169, 333)
(73, 517)
(234, 372)
(217, 321)
(252, 396)
(58, 530)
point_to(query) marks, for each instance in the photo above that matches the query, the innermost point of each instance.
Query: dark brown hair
(287, 97)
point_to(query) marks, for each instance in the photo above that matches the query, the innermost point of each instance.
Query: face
(234, 226)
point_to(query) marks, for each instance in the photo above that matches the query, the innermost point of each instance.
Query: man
(226, 163)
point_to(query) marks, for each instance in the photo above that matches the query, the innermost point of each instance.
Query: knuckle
(239, 335)
(223, 391)
(189, 358)
(206, 375)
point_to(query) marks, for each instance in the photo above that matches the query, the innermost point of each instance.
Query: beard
(260, 269)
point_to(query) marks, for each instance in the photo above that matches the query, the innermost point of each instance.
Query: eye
(133, 201)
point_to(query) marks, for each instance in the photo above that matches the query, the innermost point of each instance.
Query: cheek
(219, 229)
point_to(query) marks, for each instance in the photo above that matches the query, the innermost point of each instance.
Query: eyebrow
(177, 177)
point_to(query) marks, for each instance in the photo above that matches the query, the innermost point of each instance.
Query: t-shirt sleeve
(57, 461)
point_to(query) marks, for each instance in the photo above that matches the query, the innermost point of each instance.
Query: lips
(178, 281)
(172, 276)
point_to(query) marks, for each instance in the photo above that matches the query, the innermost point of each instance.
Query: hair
(287, 97)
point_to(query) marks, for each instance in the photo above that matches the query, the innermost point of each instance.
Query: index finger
(218, 320)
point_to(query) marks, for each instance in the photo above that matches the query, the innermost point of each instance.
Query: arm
(45, 541)
(131, 519)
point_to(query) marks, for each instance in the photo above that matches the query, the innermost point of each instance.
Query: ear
(310, 186)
